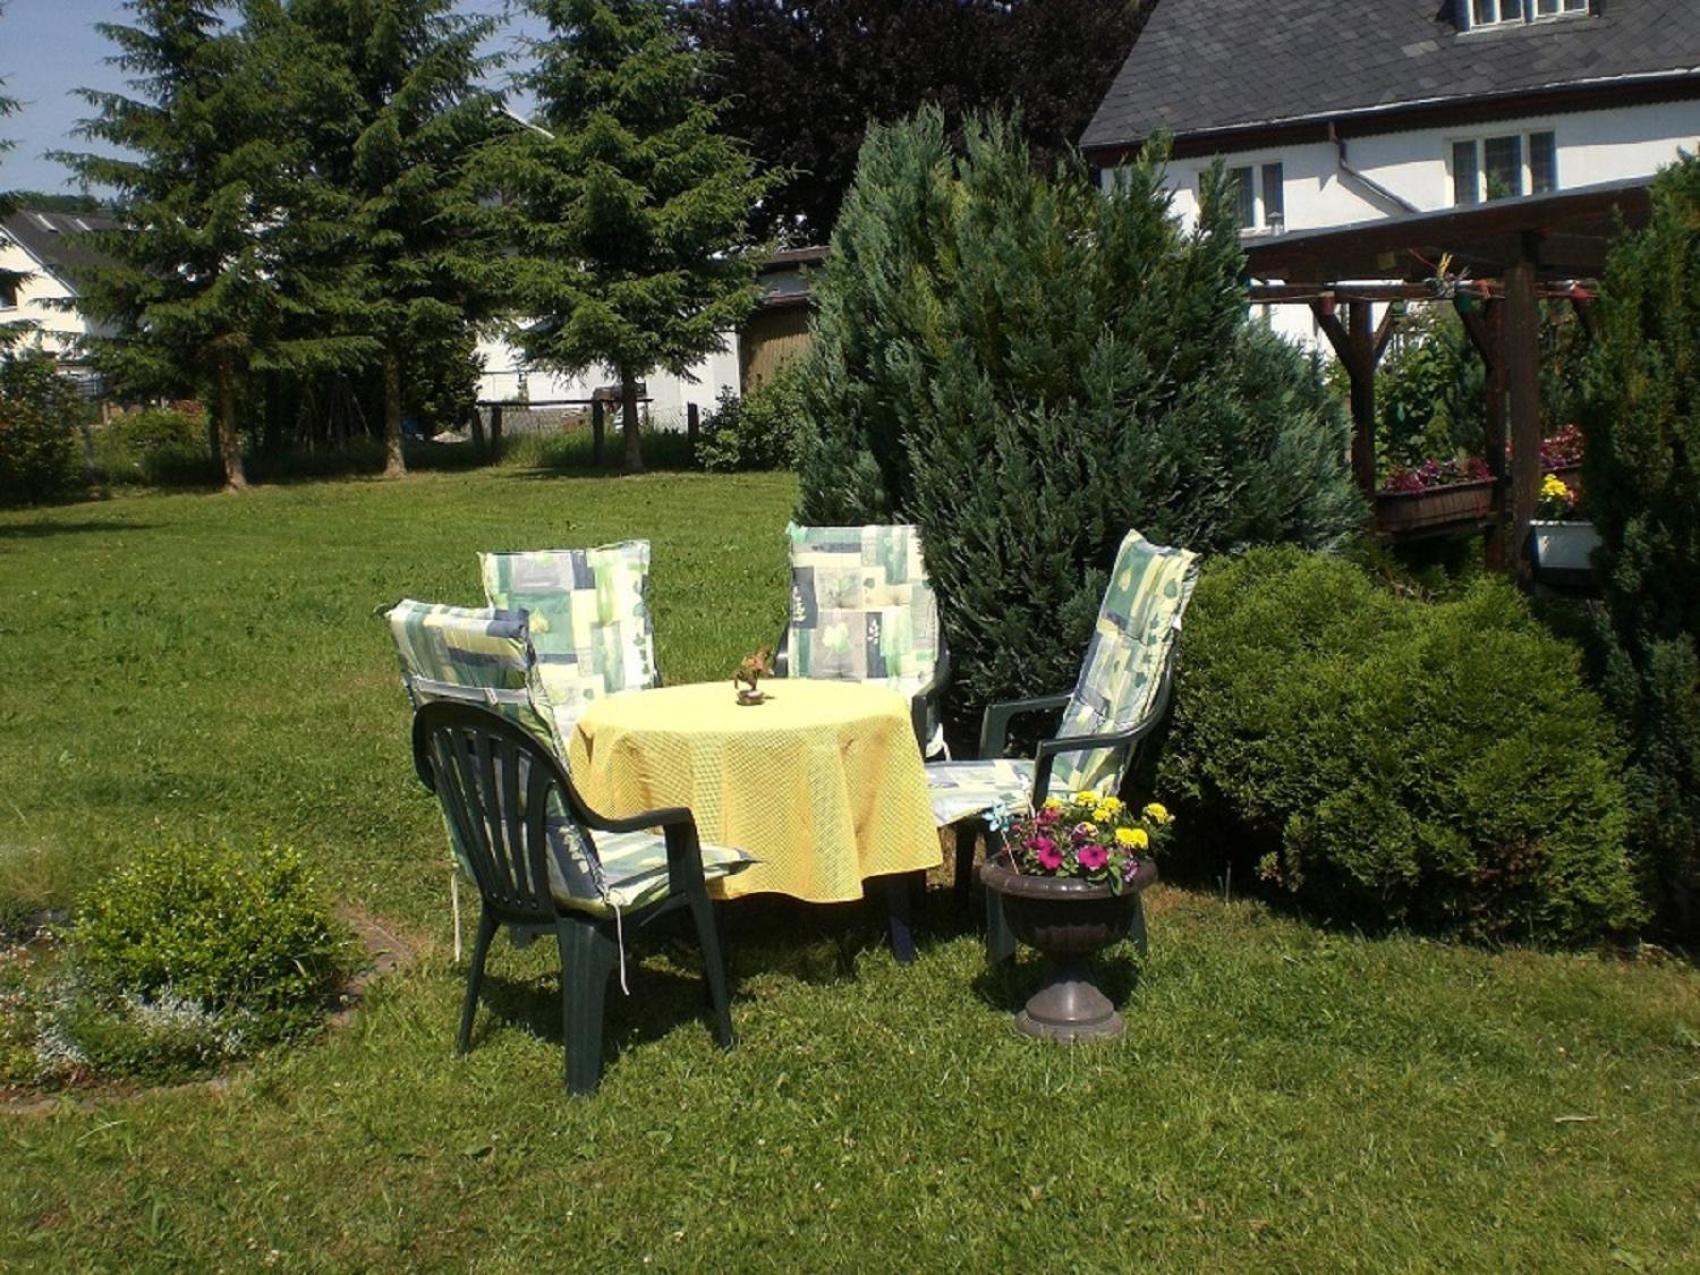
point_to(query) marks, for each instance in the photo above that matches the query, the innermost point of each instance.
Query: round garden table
(823, 783)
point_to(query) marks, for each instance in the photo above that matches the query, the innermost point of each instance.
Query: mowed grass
(1287, 1098)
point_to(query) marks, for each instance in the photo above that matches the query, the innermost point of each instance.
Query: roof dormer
(1480, 15)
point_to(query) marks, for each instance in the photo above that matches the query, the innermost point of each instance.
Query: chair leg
(967, 833)
(713, 967)
(487, 927)
(589, 951)
(900, 892)
(1136, 926)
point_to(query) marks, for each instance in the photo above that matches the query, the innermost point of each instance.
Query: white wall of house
(56, 331)
(1592, 146)
(507, 378)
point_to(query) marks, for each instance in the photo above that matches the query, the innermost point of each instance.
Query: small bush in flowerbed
(185, 959)
(1392, 761)
(757, 431)
(39, 414)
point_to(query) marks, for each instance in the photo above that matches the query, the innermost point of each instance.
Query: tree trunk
(229, 443)
(629, 422)
(395, 464)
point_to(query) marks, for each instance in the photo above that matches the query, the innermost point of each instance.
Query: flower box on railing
(1456, 505)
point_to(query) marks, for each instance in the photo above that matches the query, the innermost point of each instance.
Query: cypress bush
(1027, 368)
(1641, 469)
(1391, 761)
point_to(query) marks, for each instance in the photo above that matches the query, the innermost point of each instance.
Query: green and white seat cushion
(590, 619)
(473, 655)
(962, 789)
(633, 868)
(863, 610)
(1138, 622)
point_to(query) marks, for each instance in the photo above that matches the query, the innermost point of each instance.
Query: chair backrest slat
(1131, 646)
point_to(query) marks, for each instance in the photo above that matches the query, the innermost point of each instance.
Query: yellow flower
(1134, 837)
(1051, 803)
(1090, 829)
(1554, 489)
(1157, 812)
(1086, 797)
(1112, 804)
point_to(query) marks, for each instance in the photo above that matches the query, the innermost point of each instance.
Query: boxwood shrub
(1390, 761)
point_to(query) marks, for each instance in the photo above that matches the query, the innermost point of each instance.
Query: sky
(49, 48)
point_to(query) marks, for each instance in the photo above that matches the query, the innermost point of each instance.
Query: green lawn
(1286, 1098)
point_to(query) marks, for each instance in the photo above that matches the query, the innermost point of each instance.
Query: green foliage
(1027, 369)
(9, 279)
(161, 446)
(626, 206)
(1431, 391)
(215, 928)
(39, 414)
(1389, 761)
(1641, 471)
(757, 431)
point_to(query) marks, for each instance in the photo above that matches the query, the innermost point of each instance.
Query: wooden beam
(1335, 331)
(1521, 357)
(1362, 339)
(1476, 328)
(1384, 332)
(1584, 307)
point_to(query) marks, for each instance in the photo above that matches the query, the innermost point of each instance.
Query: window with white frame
(1485, 168)
(1259, 192)
(1498, 13)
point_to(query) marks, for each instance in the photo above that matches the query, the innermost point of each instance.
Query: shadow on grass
(1006, 987)
(46, 530)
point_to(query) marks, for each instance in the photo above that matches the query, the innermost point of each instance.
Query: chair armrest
(922, 701)
(667, 816)
(994, 725)
(1050, 749)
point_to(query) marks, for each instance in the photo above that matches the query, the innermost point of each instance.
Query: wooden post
(1521, 356)
(477, 423)
(495, 431)
(1484, 330)
(598, 424)
(692, 426)
(1356, 347)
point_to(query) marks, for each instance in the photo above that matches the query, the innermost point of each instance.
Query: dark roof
(1226, 64)
(57, 239)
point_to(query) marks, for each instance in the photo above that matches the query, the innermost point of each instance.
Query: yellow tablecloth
(823, 783)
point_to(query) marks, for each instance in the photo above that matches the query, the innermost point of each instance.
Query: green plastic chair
(863, 610)
(1118, 701)
(532, 845)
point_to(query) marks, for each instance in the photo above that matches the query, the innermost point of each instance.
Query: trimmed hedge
(1388, 761)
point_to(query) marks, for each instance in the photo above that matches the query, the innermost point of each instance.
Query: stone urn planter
(1067, 920)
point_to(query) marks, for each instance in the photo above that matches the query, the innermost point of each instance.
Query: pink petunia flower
(1093, 857)
(1045, 850)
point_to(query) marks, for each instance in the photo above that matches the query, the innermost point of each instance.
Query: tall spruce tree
(626, 208)
(218, 207)
(1027, 368)
(395, 146)
(10, 280)
(1641, 472)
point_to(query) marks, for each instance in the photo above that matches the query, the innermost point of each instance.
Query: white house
(1329, 115)
(45, 247)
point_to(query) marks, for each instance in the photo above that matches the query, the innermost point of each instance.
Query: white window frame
(1259, 170)
(1516, 13)
(1526, 175)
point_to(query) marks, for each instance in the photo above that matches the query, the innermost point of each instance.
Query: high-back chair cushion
(1137, 625)
(862, 608)
(590, 619)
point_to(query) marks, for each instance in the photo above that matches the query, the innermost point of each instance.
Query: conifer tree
(217, 204)
(395, 146)
(9, 279)
(1028, 368)
(627, 209)
(1641, 474)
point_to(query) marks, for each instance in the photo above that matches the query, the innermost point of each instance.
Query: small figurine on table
(751, 669)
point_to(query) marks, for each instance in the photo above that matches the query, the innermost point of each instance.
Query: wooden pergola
(1500, 259)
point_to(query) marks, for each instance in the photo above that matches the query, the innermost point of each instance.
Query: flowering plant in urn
(1087, 836)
